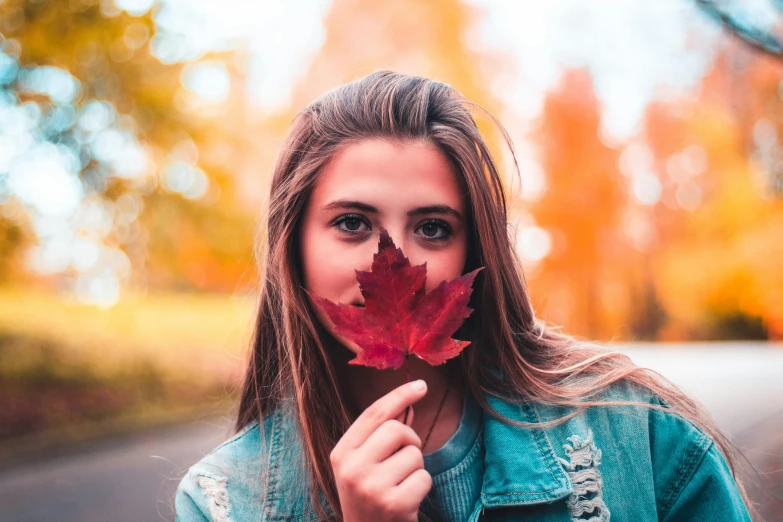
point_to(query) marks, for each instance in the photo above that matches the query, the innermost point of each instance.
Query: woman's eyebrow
(436, 209)
(358, 205)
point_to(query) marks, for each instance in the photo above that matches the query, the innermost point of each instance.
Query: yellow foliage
(183, 336)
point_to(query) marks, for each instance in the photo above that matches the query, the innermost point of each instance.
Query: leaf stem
(408, 377)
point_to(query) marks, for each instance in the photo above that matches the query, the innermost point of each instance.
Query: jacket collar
(520, 466)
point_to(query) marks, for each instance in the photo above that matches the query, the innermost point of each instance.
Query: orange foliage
(583, 284)
(710, 266)
(718, 267)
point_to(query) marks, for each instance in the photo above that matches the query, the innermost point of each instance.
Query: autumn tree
(423, 38)
(582, 283)
(717, 265)
(174, 213)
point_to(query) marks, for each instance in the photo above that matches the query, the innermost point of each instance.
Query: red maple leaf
(399, 318)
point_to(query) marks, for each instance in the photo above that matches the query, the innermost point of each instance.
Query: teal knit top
(457, 468)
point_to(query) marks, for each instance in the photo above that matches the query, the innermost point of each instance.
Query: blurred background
(137, 139)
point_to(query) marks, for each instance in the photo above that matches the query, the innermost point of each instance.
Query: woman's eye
(430, 230)
(351, 224)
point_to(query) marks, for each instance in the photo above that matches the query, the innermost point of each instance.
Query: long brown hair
(293, 355)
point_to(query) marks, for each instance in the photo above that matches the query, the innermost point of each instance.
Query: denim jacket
(620, 463)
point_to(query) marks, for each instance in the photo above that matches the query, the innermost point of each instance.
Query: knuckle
(374, 412)
(334, 458)
(348, 475)
(387, 504)
(392, 426)
(415, 455)
(349, 481)
(397, 503)
(366, 489)
(341, 478)
(398, 430)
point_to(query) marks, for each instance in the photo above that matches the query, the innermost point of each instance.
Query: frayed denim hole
(586, 503)
(214, 488)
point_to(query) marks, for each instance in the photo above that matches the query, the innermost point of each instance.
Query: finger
(385, 408)
(388, 438)
(411, 491)
(409, 420)
(396, 468)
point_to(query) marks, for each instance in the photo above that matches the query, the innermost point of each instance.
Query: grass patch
(69, 370)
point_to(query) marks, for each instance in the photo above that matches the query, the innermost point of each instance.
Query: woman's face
(410, 189)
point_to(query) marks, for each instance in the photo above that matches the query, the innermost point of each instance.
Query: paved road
(133, 478)
(130, 479)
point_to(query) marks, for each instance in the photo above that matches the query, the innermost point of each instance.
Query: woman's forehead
(380, 170)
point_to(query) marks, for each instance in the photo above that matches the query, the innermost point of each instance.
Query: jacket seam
(685, 473)
(538, 433)
(271, 478)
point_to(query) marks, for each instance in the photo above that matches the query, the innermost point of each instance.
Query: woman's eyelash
(445, 226)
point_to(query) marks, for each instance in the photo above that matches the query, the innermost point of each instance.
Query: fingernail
(419, 385)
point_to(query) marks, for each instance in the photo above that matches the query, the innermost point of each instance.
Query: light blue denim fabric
(608, 463)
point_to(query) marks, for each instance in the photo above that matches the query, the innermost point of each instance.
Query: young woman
(525, 424)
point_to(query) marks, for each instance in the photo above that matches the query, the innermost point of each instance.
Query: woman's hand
(375, 481)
